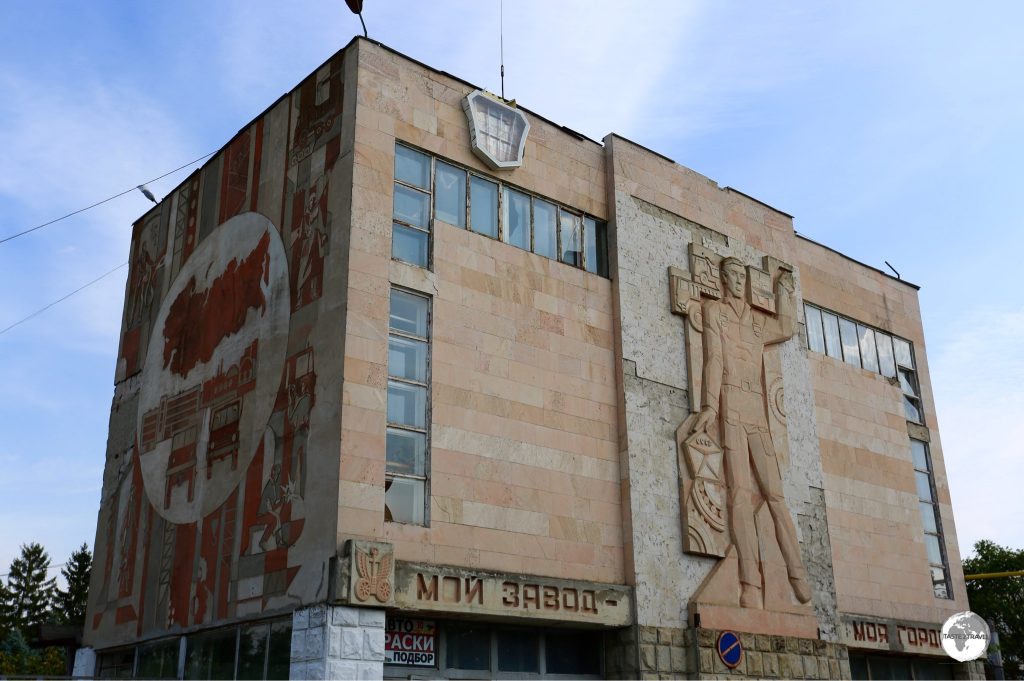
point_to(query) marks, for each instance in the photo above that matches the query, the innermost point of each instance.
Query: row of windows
(480, 650)
(893, 357)
(870, 349)
(249, 651)
(875, 667)
(929, 508)
(427, 188)
(407, 451)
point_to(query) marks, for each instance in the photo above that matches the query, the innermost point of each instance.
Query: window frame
(182, 641)
(428, 230)
(493, 629)
(913, 398)
(939, 535)
(425, 384)
(580, 216)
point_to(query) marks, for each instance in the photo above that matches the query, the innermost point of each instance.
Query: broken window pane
(569, 234)
(450, 194)
(940, 586)
(403, 501)
(912, 409)
(517, 218)
(907, 382)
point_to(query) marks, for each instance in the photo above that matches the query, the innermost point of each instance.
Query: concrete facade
(248, 467)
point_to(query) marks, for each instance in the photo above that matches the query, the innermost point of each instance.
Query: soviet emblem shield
(497, 131)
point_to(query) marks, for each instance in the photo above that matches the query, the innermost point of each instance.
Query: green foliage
(1000, 600)
(17, 658)
(29, 599)
(69, 605)
(6, 610)
(31, 593)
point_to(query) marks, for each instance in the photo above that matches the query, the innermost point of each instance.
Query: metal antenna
(501, 41)
(893, 269)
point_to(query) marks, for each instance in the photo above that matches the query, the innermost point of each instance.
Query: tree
(1000, 600)
(69, 605)
(6, 610)
(31, 593)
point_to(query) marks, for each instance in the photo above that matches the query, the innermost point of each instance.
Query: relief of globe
(965, 636)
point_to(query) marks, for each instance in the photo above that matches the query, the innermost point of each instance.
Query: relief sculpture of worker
(733, 413)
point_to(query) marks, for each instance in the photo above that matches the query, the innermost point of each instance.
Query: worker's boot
(801, 587)
(750, 596)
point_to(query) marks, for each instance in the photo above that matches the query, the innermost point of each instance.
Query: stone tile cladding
(665, 652)
(879, 557)
(335, 642)
(774, 657)
(652, 233)
(524, 472)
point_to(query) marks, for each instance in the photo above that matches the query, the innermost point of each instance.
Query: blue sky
(892, 131)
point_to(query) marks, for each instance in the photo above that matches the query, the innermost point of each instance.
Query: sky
(891, 131)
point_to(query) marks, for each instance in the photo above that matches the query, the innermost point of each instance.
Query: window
(928, 505)
(868, 348)
(908, 379)
(484, 650)
(545, 239)
(257, 650)
(408, 398)
(483, 207)
(427, 189)
(117, 664)
(517, 218)
(815, 332)
(569, 236)
(450, 194)
(863, 666)
(159, 660)
(411, 213)
(211, 654)
(595, 235)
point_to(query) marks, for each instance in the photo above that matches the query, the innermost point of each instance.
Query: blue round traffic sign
(730, 650)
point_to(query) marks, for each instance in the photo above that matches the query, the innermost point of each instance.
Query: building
(414, 382)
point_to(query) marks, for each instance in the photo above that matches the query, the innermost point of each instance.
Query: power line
(99, 203)
(44, 309)
(48, 567)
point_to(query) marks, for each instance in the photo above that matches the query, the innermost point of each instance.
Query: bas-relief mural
(733, 447)
(203, 510)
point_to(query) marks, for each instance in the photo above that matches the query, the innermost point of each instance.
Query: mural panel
(203, 515)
